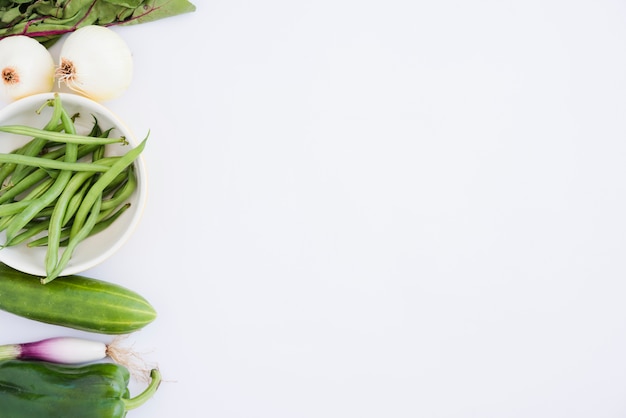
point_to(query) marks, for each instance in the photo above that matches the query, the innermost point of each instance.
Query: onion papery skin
(30, 62)
(95, 62)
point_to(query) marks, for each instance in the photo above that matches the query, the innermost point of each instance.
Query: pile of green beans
(61, 187)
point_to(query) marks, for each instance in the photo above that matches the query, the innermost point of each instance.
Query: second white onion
(95, 62)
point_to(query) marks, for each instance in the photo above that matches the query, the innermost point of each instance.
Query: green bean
(13, 207)
(5, 221)
(14, 190)
(10, 210)
(74, 202)
(58, 215)
(16, 207)
(39, 242)
(50, 153)
(9, 168)
(80, 235)
(83, 150)
(23, 185)
(98, 154)
(25, 170)
(62, 182)
(117, 182)
(123, 193)
(31, 231)
(95, 129)
(35, 146)
(65, 137)
(97, 132)
(44, 213)
(52, 164)
(6, 169)
(96, 190)
(71, 153)
(103, 223)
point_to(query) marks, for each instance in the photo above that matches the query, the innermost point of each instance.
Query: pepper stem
(140, 399)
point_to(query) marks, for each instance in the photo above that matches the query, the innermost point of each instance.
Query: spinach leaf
(48, 20)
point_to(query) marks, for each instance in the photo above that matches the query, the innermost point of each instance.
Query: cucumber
(75, 302)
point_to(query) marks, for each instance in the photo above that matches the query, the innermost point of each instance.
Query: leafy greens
(48, 20)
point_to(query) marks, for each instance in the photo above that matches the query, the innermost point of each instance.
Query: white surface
(381, 209)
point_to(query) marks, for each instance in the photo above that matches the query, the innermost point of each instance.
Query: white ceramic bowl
(97, 248)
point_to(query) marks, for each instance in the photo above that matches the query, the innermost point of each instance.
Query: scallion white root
(129, 358)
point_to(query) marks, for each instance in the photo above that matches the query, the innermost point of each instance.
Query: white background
(407, 209)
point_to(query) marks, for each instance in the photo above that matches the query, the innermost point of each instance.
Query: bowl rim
(36, 101)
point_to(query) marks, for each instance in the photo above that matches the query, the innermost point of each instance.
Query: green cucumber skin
(75, 302)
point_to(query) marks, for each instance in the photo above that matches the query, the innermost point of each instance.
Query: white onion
(27, 67)
(95, 62)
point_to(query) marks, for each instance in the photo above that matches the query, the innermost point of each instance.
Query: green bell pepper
(44, 390)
